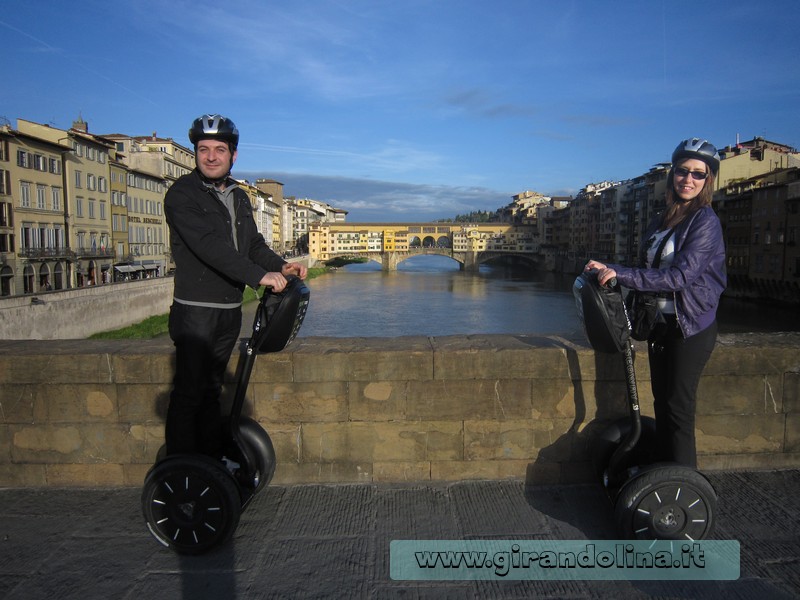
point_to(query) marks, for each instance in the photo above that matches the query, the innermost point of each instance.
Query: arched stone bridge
(469, 261)
(389, 244)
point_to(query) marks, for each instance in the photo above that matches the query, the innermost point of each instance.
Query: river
(429, 295)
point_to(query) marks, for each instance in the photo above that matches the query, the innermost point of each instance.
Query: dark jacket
(208, 267)
(697, 276)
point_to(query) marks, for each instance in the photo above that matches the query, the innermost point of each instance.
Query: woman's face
(684, 180)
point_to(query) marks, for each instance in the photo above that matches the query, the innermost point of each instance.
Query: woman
(690, 278)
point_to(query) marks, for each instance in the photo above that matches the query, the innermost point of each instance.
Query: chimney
(154, 136)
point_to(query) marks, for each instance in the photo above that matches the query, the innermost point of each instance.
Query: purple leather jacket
(697, 276)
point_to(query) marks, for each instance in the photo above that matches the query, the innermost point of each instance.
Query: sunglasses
(697, 175)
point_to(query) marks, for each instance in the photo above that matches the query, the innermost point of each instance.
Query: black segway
(651, 500)
(192, 502)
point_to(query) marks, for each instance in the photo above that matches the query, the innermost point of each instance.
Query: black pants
(204, 339)
(675, 368)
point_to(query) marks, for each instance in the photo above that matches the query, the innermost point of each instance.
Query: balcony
(94, 253)
(46, 253)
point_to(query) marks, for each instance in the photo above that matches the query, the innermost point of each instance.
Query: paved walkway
(332, 541)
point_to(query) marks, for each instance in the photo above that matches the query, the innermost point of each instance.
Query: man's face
(214, 158)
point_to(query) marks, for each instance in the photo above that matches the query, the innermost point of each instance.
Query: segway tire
(261, 449)
(666, 502)
(191, 503)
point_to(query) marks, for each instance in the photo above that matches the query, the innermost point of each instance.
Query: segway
(192, 502)
(652, 500)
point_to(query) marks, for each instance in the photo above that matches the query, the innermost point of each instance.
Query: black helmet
(214, 127)
(699, 149)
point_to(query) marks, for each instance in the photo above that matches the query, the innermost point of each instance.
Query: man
(217, 250)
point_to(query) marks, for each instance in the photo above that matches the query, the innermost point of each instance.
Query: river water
(429, 295)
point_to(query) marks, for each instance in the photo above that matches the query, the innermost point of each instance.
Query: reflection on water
(429, 295)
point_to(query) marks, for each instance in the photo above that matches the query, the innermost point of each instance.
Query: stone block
(285, 440)
(589, 400)
(740, 434)
(145, 441)
(740, 395)
(295, 402)
(143, 403)
(401, 471)
(22, 475)
(554, 398)
(459, 470)
(748, 462)
(469, 399)
(79, 403)
(133, 475)
(791, 392)
(792, 433)
(363, 359)
(268, 368)
(22, 404)
(378, 400)
(50, 368)
(143, 367)
(86, 475)
(502, 440)
(498, 357)
(587, 365)
(323, 472)
(71, 443)
(754, 354)
(367, 442)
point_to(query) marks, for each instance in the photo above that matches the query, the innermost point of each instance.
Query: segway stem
(630, 441)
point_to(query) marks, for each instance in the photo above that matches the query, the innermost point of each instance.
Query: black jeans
(675, 368)
(204, 339)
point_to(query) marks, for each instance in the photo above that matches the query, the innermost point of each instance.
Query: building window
(56, 198)
(55, 166)
(91, 208)
(78, 206)
(91, 182)
(102, 211)
(41, 197)
(102, 185)
(78, 176)
(25, 194)
(22, 159)
(5, 182)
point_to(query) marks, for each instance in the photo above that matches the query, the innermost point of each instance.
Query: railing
(46, 253)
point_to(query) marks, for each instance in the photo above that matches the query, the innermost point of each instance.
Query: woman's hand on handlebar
(604, 274)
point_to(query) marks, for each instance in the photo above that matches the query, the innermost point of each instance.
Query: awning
(125, 268)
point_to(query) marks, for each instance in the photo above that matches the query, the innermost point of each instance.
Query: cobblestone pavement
(332, 541)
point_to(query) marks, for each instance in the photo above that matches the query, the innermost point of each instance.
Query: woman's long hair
(678, 210)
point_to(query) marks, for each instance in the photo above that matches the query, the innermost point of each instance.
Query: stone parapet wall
(387, 409)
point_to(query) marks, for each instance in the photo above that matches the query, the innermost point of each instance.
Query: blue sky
(415, 110)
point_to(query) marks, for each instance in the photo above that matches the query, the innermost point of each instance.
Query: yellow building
(34, 253)
(147, 225)
(87, 198)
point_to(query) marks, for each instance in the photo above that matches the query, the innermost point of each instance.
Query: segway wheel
(190, 503)
(666, 502)
(260, 445)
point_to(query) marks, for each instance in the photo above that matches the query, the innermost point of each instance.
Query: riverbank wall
(410, 409)
(81, 312)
